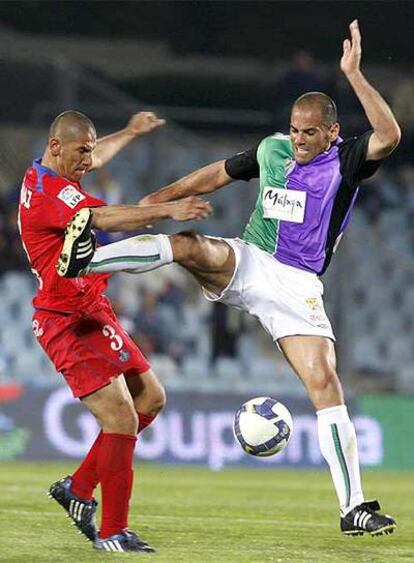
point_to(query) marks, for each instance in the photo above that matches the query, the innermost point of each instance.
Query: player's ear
(55, 146)
(334, 132)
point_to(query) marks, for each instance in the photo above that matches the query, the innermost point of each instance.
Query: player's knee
(129, 417)
(190, 235)
(158, 400)
(186, 245)
(121, 418)
(153, 399)
(327, 380)
(321, 376)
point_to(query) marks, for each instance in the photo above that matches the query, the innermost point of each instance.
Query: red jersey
(47, 204)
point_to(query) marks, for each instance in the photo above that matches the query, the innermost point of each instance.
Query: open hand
(351, 57)
(190, 209)
(144, 122)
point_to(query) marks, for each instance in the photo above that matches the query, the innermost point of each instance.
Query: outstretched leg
(211, 260)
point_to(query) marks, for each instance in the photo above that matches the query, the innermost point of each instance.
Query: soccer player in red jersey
(75, 325)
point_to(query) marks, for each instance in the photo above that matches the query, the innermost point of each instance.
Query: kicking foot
(78, 246)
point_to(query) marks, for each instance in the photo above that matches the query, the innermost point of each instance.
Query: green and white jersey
(302, 209)
(275, 157)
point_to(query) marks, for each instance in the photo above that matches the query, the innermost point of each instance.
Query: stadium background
(224, 75)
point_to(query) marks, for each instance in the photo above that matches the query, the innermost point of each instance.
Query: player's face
(309, 135)
(75, 156)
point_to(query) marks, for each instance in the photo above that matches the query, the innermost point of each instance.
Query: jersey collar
(42, 170)
(46, 171)
(328, 154)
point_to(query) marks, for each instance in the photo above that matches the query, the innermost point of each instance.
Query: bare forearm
(139, 124)
(387, 133)
(376, 108)
(110, 145)
(202, 181)
(116, 218)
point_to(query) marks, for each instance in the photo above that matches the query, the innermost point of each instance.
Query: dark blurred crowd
(161, 325)
(305, 74)
(390, 190)
(12, 256)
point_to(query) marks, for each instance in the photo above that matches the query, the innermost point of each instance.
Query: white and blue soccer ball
(263, 426)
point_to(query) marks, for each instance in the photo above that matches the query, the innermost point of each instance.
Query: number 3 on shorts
(117, 341)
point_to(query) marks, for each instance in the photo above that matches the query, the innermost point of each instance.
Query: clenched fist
(190, 209)
(144, 122)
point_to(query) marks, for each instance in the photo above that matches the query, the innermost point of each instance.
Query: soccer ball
(263, 426)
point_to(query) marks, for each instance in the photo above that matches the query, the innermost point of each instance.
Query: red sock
(115, 473)
(85, 478)
(144, 420)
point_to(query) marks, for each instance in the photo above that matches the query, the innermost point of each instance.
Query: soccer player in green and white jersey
(308, 184)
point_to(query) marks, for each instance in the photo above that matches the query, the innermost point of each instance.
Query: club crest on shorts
(124, 355)
(313, 303)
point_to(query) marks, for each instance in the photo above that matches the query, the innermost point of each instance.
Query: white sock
(337, 440)
(134, 255)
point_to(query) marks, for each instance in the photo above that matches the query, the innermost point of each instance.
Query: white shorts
(287, 301)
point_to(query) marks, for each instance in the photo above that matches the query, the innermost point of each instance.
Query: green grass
(194, 515)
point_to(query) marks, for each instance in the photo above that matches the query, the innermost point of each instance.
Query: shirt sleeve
(244, 165)
(352, 154)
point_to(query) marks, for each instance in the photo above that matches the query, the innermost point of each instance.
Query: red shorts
(88, 348)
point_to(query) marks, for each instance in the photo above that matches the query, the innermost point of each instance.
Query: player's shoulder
(355, 140)
(278, 136)
(276, 143)
(41, 179)
(276, 139)
(45, 181)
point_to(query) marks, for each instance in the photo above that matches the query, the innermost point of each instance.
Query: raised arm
(107, 147)
(116, 218)
(202, 181)
(387, 133)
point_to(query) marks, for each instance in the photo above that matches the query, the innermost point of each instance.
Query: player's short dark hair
(325, 103)
(68, 123)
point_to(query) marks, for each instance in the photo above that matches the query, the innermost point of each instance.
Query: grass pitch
(198, 516)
